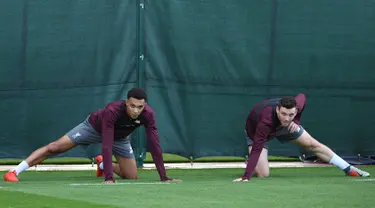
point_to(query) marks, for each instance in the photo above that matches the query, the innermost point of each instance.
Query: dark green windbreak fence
(59, 61)
(204, 64)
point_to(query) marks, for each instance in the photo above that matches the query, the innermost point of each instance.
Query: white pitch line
(129, 183)
(364, 180)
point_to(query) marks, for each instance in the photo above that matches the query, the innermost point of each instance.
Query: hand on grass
(241, 180)
(110, 181)
(171, 180)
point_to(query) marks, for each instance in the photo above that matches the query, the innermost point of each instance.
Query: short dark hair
(137, 93)
(288, 102)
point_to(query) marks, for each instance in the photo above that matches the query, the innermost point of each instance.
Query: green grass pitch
(323, 187)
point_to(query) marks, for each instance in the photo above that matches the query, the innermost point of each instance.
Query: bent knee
(53, 148)
(131, 177)
(314, 145)
(128, 176)
(263, 175)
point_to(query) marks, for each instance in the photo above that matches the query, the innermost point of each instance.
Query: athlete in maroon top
(280, 118)
(113, 122)
(110, 126)
(263, 124)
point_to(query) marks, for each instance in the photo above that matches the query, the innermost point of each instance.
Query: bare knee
(309, 143)
(59, 146)
(263, 174)
(128, 176)
(53, 148)
(314, 145)
(127, 168)
(133, 176)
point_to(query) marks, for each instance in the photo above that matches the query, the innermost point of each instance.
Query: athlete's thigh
(61, 145)
(262, 168)
(82, 134)
(125, 158)
(128, 167)
(305, 140)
